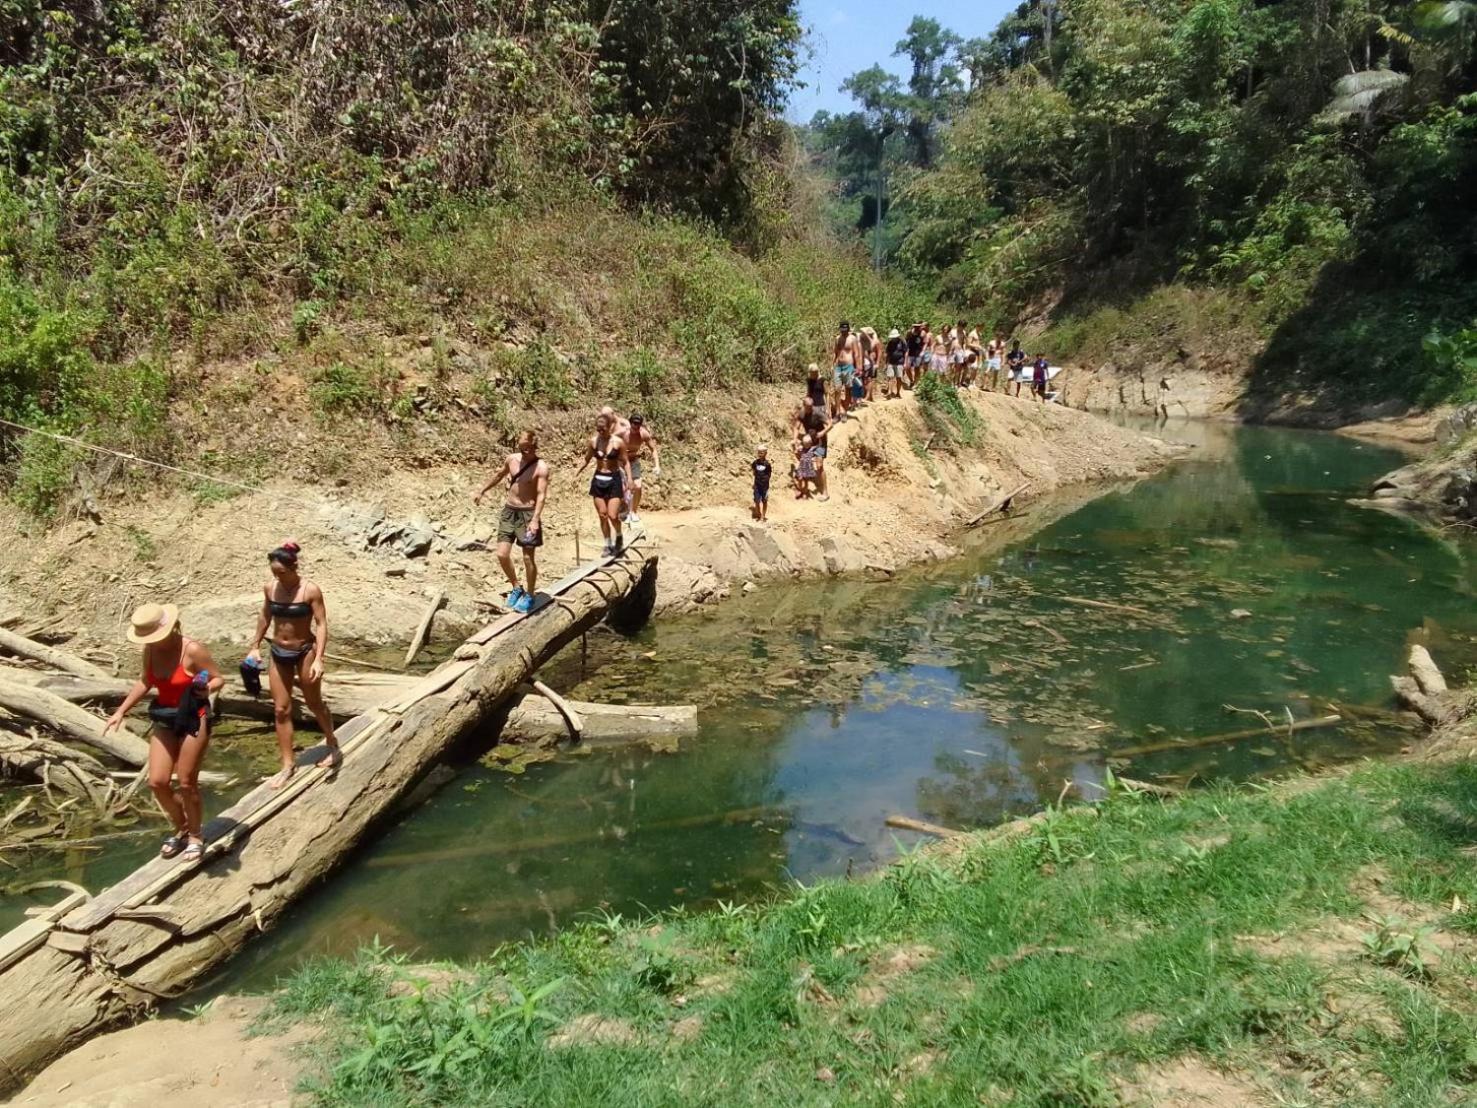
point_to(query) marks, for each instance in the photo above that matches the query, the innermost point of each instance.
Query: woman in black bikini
(183, 675)
(607, 488)
(292, 605)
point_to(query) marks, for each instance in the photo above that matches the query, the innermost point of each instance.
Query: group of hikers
(859, 358)
(183, 676)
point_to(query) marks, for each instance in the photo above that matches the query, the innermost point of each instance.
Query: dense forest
(1311, 164)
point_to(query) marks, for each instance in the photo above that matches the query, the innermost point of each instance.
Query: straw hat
(152, 623)
(893, 334)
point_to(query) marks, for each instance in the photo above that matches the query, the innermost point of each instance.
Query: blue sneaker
(525, 604)
(515, 598)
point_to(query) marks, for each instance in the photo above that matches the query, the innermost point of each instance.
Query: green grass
(952, 422)
(1039, 970)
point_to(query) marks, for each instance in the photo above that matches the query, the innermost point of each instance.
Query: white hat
(893, 334)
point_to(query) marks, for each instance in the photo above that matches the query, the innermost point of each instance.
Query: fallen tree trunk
(1424, 691)
(423, 631)
(23, 647)
(347, 694)
(93, 968)
(60, 715)
(530, 719)
(534, 720)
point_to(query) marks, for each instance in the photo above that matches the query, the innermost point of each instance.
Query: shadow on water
(963, 693)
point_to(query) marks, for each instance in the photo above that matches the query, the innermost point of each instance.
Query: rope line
(134, 458)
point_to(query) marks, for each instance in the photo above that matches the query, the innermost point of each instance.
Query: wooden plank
(19, 941)
(156, 877)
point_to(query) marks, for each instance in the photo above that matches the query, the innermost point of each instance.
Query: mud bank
(377, 552)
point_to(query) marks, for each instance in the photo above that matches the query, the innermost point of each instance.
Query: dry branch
(23, 647)
(59, 715)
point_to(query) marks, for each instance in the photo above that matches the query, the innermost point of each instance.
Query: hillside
(1273, 200)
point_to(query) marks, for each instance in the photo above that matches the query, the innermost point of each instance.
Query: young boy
(762, 470)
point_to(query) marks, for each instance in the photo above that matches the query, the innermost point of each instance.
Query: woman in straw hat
(184, 675)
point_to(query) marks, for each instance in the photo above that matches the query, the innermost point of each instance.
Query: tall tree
(884, 112)
(934, 86)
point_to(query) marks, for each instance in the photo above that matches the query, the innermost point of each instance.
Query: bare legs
(609, 512)
(283, 678)
(174, 757)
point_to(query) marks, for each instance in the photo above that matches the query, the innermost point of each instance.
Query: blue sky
(848, 35)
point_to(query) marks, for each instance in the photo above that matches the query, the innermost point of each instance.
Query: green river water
(962, 693)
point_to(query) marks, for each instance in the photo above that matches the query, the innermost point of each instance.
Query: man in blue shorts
(846, 362)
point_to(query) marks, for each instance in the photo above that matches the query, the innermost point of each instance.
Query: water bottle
(202, 680)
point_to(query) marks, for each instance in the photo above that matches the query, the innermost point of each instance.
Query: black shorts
(761, 493)
(608, 486)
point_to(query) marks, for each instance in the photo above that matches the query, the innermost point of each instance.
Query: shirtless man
(521, 520)
(638, 437)
(995, 357)
(846, 362)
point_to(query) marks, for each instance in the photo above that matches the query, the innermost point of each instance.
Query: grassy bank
(1291, 945)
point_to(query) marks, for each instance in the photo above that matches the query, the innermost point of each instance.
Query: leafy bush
(345, 388)
(945, 412)
(1451, 364)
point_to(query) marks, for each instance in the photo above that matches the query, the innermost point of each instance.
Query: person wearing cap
(183, 675)
(639, 437)
(897, 357)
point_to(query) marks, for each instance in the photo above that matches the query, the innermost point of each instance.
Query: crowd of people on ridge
(859, 359)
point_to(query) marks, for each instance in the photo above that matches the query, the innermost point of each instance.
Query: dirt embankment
(378, 546)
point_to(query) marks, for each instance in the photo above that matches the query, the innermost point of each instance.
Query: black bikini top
(601, 455)
(282, 609)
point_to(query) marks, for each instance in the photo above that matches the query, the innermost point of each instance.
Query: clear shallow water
(962, 693)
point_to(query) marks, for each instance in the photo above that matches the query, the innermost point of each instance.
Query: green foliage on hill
(590, 195)
(1315, 162)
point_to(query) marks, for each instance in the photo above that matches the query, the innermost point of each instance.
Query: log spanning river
(961, 693)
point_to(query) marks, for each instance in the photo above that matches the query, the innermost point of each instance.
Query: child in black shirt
(762, 470)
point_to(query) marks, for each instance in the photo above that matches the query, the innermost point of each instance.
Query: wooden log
(533, 720)
(257, 865)
(23, 647)
(347, 694)
(923, 827)
(1002, 502)
(51, 710)
(423, 631)
(1086, 603)
(1229, 737)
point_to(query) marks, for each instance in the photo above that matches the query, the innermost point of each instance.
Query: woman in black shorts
(608, 487)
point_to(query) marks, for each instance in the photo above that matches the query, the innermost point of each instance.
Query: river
(962, 693)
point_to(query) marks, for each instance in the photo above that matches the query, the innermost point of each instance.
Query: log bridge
(86, 964)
